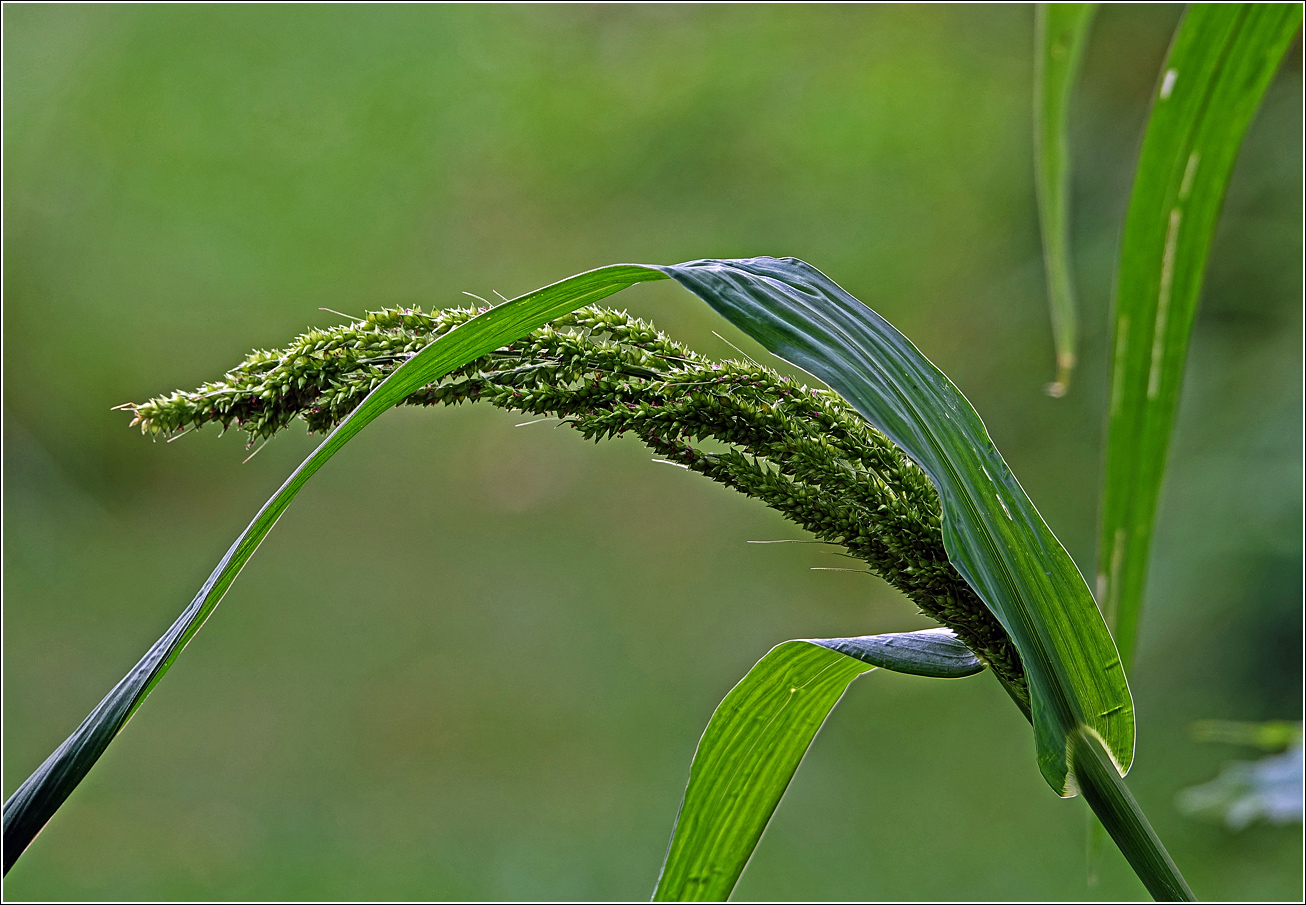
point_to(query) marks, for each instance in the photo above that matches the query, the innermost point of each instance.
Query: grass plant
(891, 462)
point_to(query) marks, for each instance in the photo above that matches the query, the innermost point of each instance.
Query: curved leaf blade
(759, 735)
(1061, 33)
(33, 803)
(1217, 70)
(749, 752)
(992, 532)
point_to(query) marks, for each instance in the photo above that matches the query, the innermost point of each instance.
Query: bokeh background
(473, 660)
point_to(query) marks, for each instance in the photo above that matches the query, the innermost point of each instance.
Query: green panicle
(801, 451)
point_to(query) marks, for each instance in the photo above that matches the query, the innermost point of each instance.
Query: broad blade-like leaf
(1222, 60)
(41, 794)
(992, 532)
(758, 737)
(1061, 32)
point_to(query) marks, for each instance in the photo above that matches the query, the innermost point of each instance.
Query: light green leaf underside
(1061, 33)
(758, 737)
(1221, 61)
(992, 532)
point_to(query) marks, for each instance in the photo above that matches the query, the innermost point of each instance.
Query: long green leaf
(41, 794)
(759, 735)
(1217, 70)
(1061, 33)
(992, 532)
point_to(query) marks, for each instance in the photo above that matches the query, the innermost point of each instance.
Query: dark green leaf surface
(992, 532)
(933, 652)
(41, 794)
(1061, 32)
(1222, 60)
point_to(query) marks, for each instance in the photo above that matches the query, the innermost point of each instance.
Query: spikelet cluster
(801, 451)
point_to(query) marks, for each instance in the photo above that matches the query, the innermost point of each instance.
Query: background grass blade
(757, 738)
(1222, 60)
(35, 801)
(992, 532)
(1061, 32)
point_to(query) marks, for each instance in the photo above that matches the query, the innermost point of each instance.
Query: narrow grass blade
(1222, 60)
(992, 532)
(1061, 32)
(41, 794)
(758, 737)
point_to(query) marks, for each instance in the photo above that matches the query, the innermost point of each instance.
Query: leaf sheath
(1113, 803)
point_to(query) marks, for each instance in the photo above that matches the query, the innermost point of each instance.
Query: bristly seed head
(803, 452)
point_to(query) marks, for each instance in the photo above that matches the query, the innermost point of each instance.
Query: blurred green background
(473, 660)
